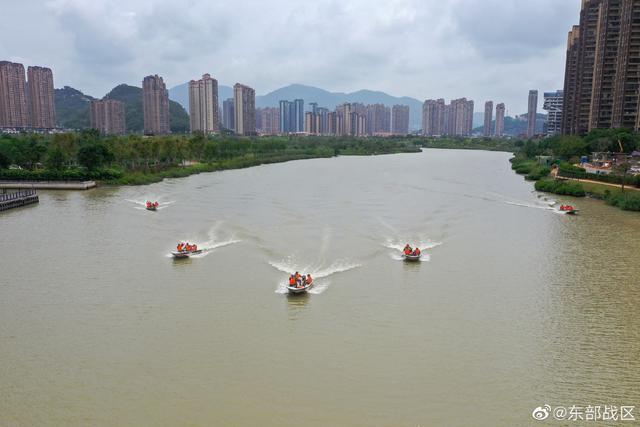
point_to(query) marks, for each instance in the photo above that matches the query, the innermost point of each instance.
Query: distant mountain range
(72, 109)
(313, 94)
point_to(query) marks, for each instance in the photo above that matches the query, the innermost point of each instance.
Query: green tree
(4, 161)
(67, 143)
(93, 156)
(210, 151)
(570, 146)
(56, 158)
(196, 145)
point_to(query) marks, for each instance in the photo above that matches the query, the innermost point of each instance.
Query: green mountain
(72, 109)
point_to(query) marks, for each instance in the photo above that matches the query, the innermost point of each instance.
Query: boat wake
(208, 247)
(320, 274)
(547, 206)
(214, 241)
(398, 247)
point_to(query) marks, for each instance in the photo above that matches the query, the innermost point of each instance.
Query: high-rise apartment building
(532, 113)
(42, 112)
(553, 102)
(298, 118)
(470, 111)
(13, 96)
(602, 73)
(347, 119)
(322, 120)
(245, 109)
(461, 117)
(203, 105)
(488, 119)
(108, 116)
(400, 120)
(428, 122)
(378, 119)
(310, 123)
(569, 119)
(500, 111)
(228, 114)
(155, 105)
(455, 119)
(433, 117)
(268, 121)
(287, 117)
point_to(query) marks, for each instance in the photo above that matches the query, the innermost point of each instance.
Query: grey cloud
(420, 48)
(511, 30)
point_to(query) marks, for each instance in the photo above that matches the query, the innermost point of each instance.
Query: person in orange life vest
(309, 279)
(292, 280)
(416, 252)
(407, 249)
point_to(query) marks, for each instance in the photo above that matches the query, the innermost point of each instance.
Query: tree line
(89, 151)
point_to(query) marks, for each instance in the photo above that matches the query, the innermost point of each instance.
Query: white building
(553, 103)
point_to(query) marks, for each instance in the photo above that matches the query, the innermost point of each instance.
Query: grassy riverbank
(136, 160)
(143, 177)
(569, 180)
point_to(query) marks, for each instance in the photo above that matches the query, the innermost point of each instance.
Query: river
(514, 305)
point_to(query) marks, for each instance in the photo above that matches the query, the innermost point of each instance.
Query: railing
(17, 195)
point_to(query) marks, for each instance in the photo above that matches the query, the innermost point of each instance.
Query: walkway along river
(514, 307)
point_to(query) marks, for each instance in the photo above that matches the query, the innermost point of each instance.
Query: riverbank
(554, 182)
(138, 160)
(151, 176)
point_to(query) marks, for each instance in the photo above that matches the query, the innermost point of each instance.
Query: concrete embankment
(17, 199)
(48, 185)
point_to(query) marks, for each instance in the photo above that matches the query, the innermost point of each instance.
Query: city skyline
(86, 53)
(371, 119)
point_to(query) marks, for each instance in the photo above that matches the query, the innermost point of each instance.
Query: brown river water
(514, 305)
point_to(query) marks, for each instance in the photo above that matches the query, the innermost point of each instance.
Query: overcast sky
(481, 49)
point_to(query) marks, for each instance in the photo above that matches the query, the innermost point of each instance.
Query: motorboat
(299, 290)
(412, 257)
(568, 209)
(185, 250)
(185, 254)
